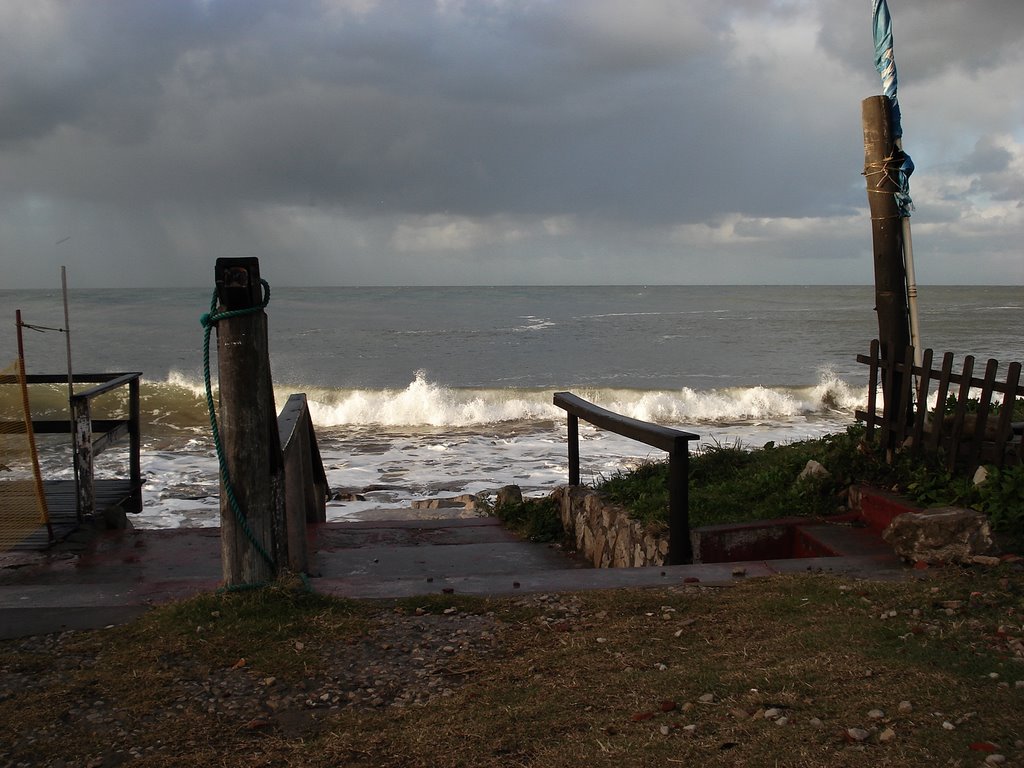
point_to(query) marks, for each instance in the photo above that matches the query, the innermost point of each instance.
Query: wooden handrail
(119, 380)
(674, 441)
(305, 481)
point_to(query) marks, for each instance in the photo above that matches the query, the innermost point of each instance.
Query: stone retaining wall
(605, 534)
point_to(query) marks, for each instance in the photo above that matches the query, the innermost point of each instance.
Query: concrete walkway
(115, 576)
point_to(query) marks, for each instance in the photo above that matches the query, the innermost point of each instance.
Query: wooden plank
(63, 426)
(872, 390)
(924, 384)
(889, 398)
(905, 403)
(960, 413)
(1004, 427)
(61, 501)
(978, 436)
(107, 440)
(939, 419)
(118, 380)
(78, 378)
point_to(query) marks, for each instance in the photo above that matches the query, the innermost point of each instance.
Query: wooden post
(573, 428)
(81, 413)
(880, 169)
(304, 479)
(248, 430)
(680, 548)
(134, 446)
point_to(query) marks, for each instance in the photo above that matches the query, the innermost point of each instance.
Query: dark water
(424, 389)
(550, 337)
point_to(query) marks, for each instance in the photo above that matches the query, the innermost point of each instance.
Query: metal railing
(107, 432)
(675, 442)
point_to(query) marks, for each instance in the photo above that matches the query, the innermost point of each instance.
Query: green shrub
(1001, 497)
(533, 519)
(729, 483)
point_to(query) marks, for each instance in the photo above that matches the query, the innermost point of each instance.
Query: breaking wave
(180, 401)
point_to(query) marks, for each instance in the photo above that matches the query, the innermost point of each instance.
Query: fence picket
(966, 437)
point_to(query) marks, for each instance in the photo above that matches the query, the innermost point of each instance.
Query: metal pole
(71, 389)
(908, 264)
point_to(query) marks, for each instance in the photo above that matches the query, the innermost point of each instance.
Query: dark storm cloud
(182, 129)
(402, 109)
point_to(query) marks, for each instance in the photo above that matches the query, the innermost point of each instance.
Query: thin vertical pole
(30, 431)
(71, 388)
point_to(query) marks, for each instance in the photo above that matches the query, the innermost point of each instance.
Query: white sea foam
(395, 446)
(425, 403)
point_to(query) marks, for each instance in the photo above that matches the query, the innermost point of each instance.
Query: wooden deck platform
(60, 501)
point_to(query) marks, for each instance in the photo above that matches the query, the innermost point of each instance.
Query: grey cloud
(173, 128)
(987, 157)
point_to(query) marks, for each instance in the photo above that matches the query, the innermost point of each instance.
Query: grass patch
(730, 483)
(258, 626)
(685, 675)
(533, 519)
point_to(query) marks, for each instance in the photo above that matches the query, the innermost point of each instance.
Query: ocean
(424, 392)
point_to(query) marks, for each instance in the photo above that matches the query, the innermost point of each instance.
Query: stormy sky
(478, 142)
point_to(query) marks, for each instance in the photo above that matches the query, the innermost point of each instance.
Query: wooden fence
(971, 422)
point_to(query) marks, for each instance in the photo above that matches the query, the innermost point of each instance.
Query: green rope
(208, 321)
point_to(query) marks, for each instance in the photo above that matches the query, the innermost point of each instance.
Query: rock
(995, 759)
(986, 560)
(905, 707)
(887, 735)
(707, 698)
(437, 504)
(857, 734)
(982, 746)
(813, 471)
(943, 535)
(113, 518)
(771, 714)
(815, 722)
(347, 496)
(509, 494)
(876, 714)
